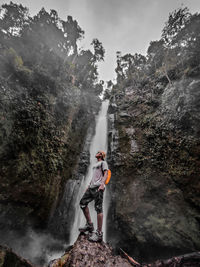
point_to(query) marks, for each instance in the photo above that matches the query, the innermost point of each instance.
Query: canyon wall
(154, 157)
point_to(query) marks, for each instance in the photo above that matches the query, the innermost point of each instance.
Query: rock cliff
(86, 253)
(154, 157)
(63, 217)
(48, 97)
(41, 140)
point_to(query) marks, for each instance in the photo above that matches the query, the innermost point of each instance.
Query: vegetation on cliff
(154, 143)
(48, 94)
(142, 90)
(174, 56)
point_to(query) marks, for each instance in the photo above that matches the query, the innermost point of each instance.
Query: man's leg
(98, 235)
(87, 197)
(86, 212)
(99, 209)
(85, 200)
(99, 221)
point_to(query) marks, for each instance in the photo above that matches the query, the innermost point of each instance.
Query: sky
(121, 25)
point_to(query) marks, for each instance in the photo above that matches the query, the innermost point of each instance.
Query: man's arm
(105, 176)
(102, 186)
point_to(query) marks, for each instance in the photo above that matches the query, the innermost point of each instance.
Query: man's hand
(101, 187)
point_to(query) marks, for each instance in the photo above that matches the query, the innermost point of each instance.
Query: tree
(99, 51)
(155, 54)
(48, 45)
(54, 17)
(188, 40)
(130, 67)
(182, 40)
(109, 84)
(119, 68)
(45, 30)
(85, 68)
(72, 32)
(177, 21)
(13, 18)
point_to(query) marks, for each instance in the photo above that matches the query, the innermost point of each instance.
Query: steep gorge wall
(41, 138)
(48, 96)
(62, 218)
(154, 157)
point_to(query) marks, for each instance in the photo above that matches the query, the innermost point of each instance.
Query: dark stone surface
(62, 219)
(87, 254)
(154, 158)
(9, 259)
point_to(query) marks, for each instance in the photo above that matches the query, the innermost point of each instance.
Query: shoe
(88, 227)
(96, 236)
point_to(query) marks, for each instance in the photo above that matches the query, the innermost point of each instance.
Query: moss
(39, 150)
(2, 258)
(159, 183)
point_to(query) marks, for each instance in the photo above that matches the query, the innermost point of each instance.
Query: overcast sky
(121, 25)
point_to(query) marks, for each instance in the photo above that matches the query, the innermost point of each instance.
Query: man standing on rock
(95, 192)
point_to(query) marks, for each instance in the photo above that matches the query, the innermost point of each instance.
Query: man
(95, 192)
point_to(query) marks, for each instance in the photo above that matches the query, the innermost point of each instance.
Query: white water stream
(99, 142)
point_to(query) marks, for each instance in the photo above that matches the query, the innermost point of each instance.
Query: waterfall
(99, 142)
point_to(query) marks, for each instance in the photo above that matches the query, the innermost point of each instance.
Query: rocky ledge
(92, 254)
(87, 254)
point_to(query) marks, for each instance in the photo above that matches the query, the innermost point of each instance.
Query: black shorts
(93, 194)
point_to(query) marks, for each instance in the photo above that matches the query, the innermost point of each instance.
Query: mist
(127, 26)
(35, 246)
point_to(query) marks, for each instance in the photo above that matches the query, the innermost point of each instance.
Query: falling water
(99, 142)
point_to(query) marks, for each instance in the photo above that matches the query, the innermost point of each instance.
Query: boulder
(87, 254)
(10, 259)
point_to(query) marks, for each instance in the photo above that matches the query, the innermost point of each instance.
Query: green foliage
(16, 61)
(175, 55)
(48, 95)
(130, 67)
(176, 22)
(155, 55)
(73, 32)
(48, 43)
(13, 17)
(98, 50)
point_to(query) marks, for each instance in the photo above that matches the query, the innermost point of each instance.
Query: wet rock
(130, 131)
(134, 146)
(187, 260)
(124, 115)
(9, 259)
(59, 223)
(112, 108)
(41, 139)
(87, 254)
(180, 105)
(154, 210)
